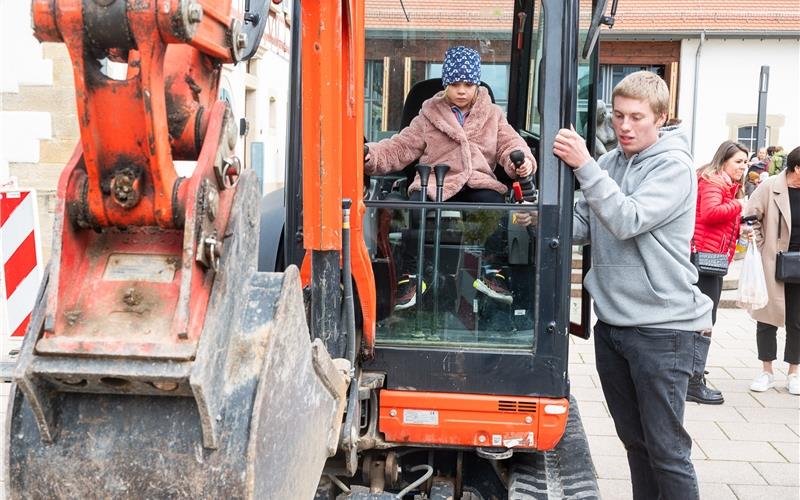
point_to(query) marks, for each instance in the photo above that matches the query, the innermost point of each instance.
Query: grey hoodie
(638, 213)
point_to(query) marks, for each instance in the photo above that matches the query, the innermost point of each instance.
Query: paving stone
(581, 381)
(795, 428)
(712, 413)
(748, 492)
(790, 451)
(697, 453)
(716, 491)
(588, 357)
(742, 451)
(609, 467)
(742, 373)
(779, 474)
(718, 358)
(752, 431)
(774, 415)
(581, 347)
(615, 489)
(700, 429)
(593, 409)
(599, 426)
(738, 399)
(721, 471)
(581, 369)
(587, 394)
(716, 371)
(602, 446)
(779, 398)
(739, 385)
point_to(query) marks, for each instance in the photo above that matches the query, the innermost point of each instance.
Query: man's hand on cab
(571, 148)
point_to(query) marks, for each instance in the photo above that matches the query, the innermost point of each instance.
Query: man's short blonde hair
(645, 86)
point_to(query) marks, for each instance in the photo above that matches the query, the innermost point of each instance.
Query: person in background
(777, 160)
(638, 211)
(752, 182)
(760, 157)
(720, 199)
(776, 204)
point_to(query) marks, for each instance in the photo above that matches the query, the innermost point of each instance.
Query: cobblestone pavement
(746, 449)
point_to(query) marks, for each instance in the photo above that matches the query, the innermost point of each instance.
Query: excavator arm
(158, 362)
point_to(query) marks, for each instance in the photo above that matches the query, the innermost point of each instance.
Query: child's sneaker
(762, 382)
(494, 285)
(793, 384)
(407, 292)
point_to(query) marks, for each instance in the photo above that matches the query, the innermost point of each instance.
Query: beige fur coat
(435, 136)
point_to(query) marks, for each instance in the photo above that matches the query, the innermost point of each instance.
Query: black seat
(419, 93)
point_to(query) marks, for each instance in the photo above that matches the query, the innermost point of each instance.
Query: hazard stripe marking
(20, 264)
(20, 331)
(8, 204)
(21, 302)
(17, 225)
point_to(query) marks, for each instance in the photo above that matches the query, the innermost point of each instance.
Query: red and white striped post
(21, 265)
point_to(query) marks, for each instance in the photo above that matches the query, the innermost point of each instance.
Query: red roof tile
(633, 16)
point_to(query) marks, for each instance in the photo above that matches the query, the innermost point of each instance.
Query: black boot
(699, 392)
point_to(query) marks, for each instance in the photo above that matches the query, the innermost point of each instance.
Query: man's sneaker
(407, 292)
(493, 284)
(762, 382)
(793, 384)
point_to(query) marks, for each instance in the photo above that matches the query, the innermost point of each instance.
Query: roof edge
(669, 35)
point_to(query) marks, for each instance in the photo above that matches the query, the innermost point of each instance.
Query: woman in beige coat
(776, 203)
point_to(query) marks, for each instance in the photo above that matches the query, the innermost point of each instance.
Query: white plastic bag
(752, 291)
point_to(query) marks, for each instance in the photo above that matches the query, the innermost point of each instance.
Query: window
(748, 136)
(373, 98)
(612, 74)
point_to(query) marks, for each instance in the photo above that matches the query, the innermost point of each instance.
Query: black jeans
(711, 286)
(767, 335)
(645, 373)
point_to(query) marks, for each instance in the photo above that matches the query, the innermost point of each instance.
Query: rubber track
(566, 472)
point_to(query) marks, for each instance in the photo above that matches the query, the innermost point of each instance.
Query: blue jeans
(644, 373)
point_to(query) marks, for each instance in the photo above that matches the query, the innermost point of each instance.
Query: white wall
(21, 63)
(728, 90)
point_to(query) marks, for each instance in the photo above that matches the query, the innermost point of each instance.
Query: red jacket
(716, 226)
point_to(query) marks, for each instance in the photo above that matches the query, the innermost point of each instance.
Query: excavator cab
(463, 390)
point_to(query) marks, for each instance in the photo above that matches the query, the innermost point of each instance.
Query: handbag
(710, 263)
(787, 267)
(714, 264)
(787, 264)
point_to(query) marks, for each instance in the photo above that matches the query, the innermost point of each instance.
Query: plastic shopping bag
(752, 291)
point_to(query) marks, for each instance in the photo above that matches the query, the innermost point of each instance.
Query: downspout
(696, 85)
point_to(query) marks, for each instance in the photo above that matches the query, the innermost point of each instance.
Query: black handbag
(714, 264)
(787, 264)
(787, 267)
(710, 263)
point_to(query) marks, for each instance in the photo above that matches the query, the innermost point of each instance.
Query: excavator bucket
(254, 415)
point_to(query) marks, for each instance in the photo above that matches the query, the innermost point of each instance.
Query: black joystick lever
(525, 183)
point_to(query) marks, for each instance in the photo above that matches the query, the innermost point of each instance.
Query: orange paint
(445, 419)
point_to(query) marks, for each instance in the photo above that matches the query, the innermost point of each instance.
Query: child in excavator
(463, 128)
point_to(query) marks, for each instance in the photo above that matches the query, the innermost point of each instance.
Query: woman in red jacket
(720, 199)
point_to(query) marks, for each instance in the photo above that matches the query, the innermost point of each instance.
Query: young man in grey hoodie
(638, 213)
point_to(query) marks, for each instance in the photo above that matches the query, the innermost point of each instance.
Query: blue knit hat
(461, 64)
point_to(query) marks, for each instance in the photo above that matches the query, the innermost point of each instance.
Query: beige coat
(472, 151)
(770, 202)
